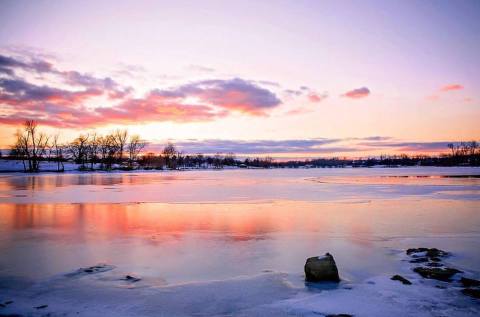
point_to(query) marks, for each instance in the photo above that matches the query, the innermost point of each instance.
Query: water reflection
(248, 221)
(48, 182)
(221, 240)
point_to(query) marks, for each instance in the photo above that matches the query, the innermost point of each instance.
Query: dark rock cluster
(437, 273)
(433, 268)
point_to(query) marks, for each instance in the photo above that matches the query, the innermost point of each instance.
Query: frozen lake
(234, 242)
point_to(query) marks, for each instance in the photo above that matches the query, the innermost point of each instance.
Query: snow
(266, 294)
(17, 166)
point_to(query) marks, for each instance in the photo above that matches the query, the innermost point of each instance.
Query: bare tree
(78, 149)
(120, 137)
(169, 153)
(217, 161)
(451, 146)
(39, 143)
(93, 149)
(31, 144)
(58, 151)
(473, 147)
(135, 146)
(19, 149)
(108, 150)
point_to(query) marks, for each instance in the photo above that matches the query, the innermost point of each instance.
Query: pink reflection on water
(223, 239)
(353, 219)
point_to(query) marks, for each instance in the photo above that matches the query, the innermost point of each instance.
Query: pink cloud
(66, 106)
(432, 97)
(314, 97)
(299, 111)
(451, 87)
(156, 108)
(357, 93)
(231, 94)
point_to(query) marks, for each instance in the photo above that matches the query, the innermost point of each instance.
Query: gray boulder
(321, 269)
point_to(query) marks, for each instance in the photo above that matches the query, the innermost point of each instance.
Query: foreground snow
(106, 292)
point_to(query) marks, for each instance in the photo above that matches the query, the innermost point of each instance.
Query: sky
(279, 78)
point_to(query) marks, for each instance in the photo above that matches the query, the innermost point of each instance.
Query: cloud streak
(318, 146)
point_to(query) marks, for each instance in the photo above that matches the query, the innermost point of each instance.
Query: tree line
(120, 150)
(90, 151)
(116, 150)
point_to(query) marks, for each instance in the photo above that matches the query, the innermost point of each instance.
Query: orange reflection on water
(351, 220)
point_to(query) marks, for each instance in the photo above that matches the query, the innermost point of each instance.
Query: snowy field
(233, 243)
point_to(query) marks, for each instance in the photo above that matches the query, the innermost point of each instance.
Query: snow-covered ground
(233, 243)
(71, 167)
(17, 166)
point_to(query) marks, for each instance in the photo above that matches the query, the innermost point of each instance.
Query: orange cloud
(155, 108)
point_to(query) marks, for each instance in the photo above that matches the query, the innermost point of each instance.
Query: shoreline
(119, 170)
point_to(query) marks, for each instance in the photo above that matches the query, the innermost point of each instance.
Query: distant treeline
(119, 150)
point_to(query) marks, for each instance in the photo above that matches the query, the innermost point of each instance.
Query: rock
(416, 250)
(429, 253)
(41, 307)
(3, 305)
(441, 274)
(419, 260)
(401, 279)
(469, 282)
(132, 279)
(96, 268)
(321, 269)
(339, 315)
(472, 292)
(434, 252)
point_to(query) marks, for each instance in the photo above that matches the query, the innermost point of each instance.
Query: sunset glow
(285, 79)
